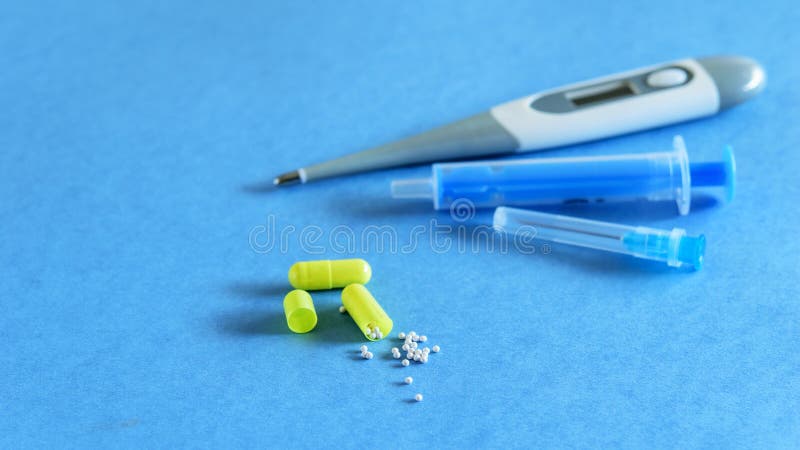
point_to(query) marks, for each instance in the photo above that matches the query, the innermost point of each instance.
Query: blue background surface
(136, 136)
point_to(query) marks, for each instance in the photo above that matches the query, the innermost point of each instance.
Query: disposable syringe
(653, 176)
(674, 247)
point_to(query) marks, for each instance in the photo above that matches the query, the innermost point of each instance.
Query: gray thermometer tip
(287, 178)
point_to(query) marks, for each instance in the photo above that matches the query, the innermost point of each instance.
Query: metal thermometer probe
(617, 104)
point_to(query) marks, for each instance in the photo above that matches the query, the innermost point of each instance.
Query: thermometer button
(667, 78)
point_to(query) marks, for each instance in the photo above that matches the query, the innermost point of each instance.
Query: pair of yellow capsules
(352, 275)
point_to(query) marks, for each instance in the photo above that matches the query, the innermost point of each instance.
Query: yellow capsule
(366, 311)
(329, 274)
(299, 309)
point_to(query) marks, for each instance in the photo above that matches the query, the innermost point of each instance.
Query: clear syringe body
(673, 247)
(652, 176)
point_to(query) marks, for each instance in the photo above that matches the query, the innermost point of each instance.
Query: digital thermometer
(617, 104)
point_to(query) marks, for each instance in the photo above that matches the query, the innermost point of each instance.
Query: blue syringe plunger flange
(683, 190)
(717, 173)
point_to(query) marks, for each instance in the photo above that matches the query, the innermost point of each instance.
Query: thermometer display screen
(601, 93)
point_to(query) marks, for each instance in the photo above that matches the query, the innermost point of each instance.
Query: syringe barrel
(652, 176)
(526, 224)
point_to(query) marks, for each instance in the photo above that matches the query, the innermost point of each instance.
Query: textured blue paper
(136, 313)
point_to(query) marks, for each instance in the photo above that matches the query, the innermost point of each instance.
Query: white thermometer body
(610, 106)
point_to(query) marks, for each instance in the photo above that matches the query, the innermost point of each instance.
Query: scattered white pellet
(424, 358)
(396, 355)
(412, 333)
(342, 309)
(426, 350)
(417, 357)
(435, 349)
(401, 335)
(363, 348)
(405, 347)
(415, 338)
(395, 350)
(410, 355)
(413, 345)
(367, 355)
(408, 380)
(405, 363)
(418, 397)
(423, 338)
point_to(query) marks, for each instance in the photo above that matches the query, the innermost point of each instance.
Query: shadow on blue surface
(250, 323)
(332, 326)
(612, 264)
(630, 213)
(252, 290)
(588, 260)
(247, 321)
(635, 212)
(259, 188)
